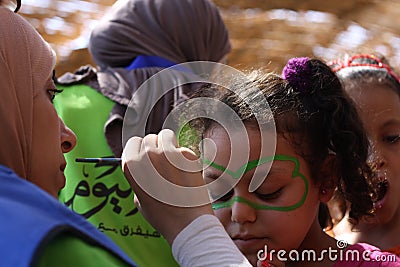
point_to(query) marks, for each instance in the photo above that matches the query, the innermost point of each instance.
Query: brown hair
(318, 122)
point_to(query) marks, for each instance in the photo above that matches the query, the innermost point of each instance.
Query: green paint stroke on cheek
(251, 165)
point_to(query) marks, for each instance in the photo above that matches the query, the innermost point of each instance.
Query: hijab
(26, 63)
(175, 30)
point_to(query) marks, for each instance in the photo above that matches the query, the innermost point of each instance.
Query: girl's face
(379, 108)
(280, 212)
(51, 138)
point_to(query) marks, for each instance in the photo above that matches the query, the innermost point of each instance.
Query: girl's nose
(243, 213)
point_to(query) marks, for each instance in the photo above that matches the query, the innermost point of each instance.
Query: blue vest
(30, 218)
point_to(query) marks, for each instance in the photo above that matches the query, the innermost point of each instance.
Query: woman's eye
(392, 138)
(53, 92)
(269, 196)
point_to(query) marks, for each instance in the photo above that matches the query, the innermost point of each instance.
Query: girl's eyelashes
(269, 196)
(261, 196)
(53, 92)
(225, 197)
(391, 139)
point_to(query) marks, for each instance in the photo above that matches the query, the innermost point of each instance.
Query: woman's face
(379, 108)
(50, 139)
(280, 212)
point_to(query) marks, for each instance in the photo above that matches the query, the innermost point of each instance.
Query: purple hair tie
(298, 74)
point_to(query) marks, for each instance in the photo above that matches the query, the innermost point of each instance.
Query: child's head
(320, 145)
(375, 88)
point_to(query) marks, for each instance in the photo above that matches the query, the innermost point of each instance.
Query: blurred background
(263, 32)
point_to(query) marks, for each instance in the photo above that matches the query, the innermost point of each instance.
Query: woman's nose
(68, 138)
(243, 212)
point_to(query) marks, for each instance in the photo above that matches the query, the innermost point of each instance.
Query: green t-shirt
(101, 193)
(67, 250)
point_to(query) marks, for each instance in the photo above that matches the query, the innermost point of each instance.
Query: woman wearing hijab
(35, 229)
(134, 41)
(138, 38)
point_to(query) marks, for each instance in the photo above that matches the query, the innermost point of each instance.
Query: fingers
(157, 160)
(137, 146)
(131, 152)
(188, 153)
(150, 142)
(181, 157)
(167, 139)
(149, 165)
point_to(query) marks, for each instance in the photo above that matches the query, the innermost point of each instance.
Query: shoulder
(394, 250)
(69, 250)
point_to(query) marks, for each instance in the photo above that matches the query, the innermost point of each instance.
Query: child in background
(320, 144)
(375, 88)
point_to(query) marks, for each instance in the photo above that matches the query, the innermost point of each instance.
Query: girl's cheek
(223, 215)
(219, 213)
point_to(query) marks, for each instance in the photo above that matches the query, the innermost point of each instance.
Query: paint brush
(99, 160)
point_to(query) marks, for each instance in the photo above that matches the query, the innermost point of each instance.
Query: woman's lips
(63, 166)
(62, 176)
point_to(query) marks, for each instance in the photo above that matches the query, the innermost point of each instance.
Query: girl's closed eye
(52, 93)
(269, 196)
(226, 197)
(273, 186)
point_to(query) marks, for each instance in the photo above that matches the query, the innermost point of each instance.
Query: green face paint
(251, 165)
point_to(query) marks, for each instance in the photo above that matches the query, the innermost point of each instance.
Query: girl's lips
(250, 244)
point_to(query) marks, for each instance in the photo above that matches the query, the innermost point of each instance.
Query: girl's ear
(329, 178)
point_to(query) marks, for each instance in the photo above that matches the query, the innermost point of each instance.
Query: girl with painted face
(375, 88)
(266, 194)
